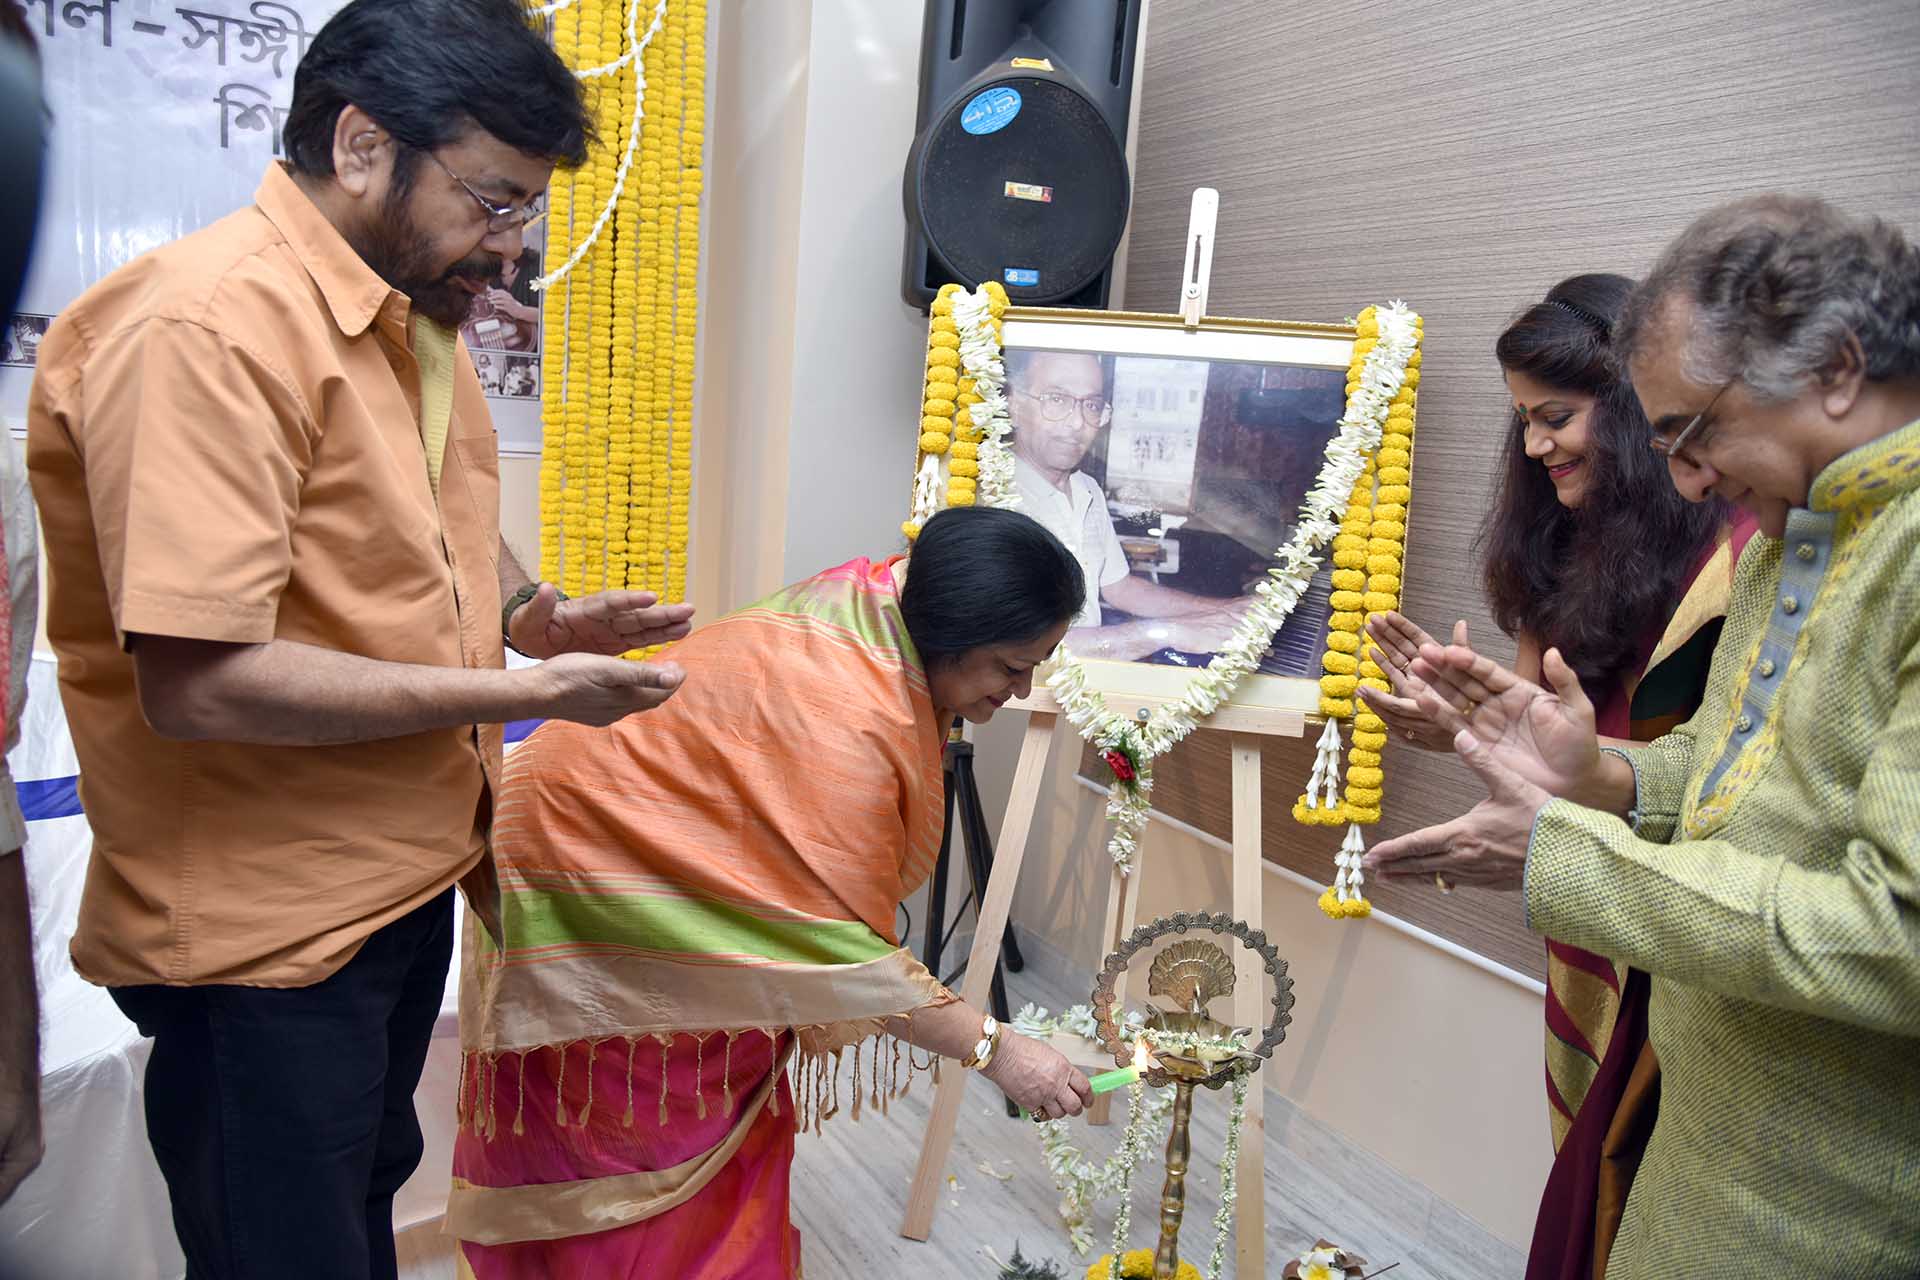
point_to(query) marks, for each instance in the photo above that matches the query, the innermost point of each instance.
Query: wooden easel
(1248, 726)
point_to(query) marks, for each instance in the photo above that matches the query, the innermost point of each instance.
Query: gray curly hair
(1778, 284)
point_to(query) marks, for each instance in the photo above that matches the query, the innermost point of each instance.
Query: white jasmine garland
(1128, 803)
(1229, 1178)
(980, 359)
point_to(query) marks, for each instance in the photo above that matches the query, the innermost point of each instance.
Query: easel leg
(995, 904)
(1250, 1009)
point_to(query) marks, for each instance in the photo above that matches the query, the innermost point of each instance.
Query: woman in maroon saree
(1590, 550)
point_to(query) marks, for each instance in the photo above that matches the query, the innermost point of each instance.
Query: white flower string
(1132, 1150)
(1229, 1178)
(981, 360)
(636, 45)
(1128, 803)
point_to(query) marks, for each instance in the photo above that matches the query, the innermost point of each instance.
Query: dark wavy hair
(1590, 582)
(983, 575)
(429, 70)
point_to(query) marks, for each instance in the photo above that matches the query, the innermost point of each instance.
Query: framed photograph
(1173, 463)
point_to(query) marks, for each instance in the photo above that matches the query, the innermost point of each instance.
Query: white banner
(164, 119)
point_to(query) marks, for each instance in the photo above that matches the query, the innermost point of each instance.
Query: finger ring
(1440, 883)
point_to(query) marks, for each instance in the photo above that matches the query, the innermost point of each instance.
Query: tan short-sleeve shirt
(225, 444)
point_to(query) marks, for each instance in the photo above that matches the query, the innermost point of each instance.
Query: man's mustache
(481, 270)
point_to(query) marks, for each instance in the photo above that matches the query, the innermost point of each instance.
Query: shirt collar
(1872, 475)
(1030, 479)
(354, 291)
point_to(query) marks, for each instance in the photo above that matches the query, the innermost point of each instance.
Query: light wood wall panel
(1463, 156)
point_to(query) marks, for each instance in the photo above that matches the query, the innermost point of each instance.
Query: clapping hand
(608, 622)
(1397, 645)
(1546, 737)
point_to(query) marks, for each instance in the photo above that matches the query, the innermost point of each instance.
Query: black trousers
(282, 1118)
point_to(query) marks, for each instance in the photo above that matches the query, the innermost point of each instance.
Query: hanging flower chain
(1382, 372)
(963, 411)
(1229, 1178)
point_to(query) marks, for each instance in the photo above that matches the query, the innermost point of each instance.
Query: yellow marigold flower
(1348, 542)
(1349, 579)
(965, 466)
(960, 499)
(911, 528)
(938, 409)
(933, 442)
(968, 449)
(1348, 601)
(1363, 776)
(1369, 327)
(1413, 378)
(938, 425)
(1343, 642)
(1363, 797)
(1393, 457)
(945, 324)
(1364, 759)
(1358, 908)
(1363, 345)
(1346, 621)
(1367, 722)
(1413, 361)
(1399, 493)
(1379, 602)
(1375, 682)
(1384, 547)
(960, 484)
(1334, 909)
(943, 357)
(1367, 741)
(1387, 583)
(1338, 708)
(944, 340)
(1340, 664)
(1338, 686)
(1351, 557)
(1394, 511)
(1395, 475)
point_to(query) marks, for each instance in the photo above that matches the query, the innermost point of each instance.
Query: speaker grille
(1037, 203)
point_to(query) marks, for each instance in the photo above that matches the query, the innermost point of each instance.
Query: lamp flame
(1142, 1060)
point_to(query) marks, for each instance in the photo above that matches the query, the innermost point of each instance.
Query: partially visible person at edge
(271, 501)
(1760, 862)
(22, 149)
(1592, 552)
(689, 911)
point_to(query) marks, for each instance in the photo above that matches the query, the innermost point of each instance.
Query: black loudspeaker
(1018, 171)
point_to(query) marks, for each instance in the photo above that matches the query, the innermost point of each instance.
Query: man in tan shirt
(270, 494)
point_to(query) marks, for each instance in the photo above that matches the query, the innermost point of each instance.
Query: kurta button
(1790, 604)
(1744, 724)
(1766, 668)
(1805, 551)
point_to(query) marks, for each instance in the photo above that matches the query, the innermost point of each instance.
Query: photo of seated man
(1172, 481)
(507, 316)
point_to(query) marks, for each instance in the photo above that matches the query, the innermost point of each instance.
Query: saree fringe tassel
(876, 1076)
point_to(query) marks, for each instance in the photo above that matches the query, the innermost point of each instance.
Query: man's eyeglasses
(1057, 406)
(1672, 448)
(500, 217)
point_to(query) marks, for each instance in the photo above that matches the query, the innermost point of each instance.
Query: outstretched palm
(1544, 735)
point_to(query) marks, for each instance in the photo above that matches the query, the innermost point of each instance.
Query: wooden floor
(850, 1186)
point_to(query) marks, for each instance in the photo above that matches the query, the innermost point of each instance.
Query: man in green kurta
(1763, 861)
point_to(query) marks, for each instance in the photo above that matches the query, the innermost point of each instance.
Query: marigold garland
(1368, 553)
(962, 407)
(621, 310)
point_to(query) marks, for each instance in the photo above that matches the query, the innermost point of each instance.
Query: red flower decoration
(1121, 766)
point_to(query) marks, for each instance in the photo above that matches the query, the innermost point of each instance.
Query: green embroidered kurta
(1770, 883)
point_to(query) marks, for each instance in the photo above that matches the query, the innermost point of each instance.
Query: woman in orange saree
(699, 902)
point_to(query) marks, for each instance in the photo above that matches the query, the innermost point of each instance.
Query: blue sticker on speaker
(991, 110)
(1026, 276)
